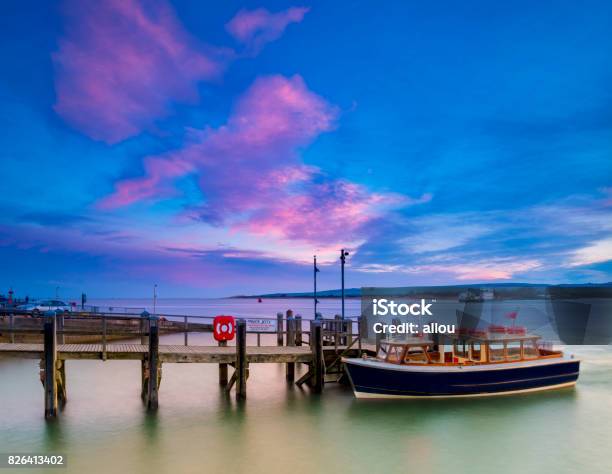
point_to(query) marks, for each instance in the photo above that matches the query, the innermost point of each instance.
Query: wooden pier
(320, 355)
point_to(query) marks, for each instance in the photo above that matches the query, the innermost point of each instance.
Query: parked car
(45, 305)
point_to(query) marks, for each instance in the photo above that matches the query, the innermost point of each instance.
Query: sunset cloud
(120, 65)
(596, 252)
(255, 28)
(251, 176)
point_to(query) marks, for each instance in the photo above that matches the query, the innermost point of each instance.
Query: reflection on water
(280, 428)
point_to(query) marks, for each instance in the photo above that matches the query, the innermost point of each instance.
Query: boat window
(513, 350)
(496, 351)
(395, 354)
(382, 351)
(476, 351)
(530, 349)
(415, 355)
(460, 348)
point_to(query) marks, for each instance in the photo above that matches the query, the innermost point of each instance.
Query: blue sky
(213, 148)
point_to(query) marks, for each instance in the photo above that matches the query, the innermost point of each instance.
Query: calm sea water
(281, 428)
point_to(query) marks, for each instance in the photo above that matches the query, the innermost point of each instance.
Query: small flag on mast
(512, 315)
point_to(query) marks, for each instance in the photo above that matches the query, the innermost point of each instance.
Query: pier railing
(79, 326)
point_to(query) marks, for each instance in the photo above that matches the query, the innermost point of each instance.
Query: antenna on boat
(343, 254)
(315, 271)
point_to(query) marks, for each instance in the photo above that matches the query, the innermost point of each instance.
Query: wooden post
(241, 360)
(154, 365)
(359, 334)
(50, 362)
(12, 328)
(349, 332)
(59, 321)
(223, 368)
(103, 337)
(279, 329)
(298, 330)
(318, 364)
(337, 324)
(144, 319)
(290, 372)
(186, 329)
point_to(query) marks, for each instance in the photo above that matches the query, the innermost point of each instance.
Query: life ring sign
(224, 328)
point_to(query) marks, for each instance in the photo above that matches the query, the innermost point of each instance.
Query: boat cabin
(475, 348)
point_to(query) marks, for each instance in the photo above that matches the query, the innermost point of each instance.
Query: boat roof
(496, 337)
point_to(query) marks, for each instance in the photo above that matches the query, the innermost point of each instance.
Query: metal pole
(154, 297)
(343, 255)
(315, 271)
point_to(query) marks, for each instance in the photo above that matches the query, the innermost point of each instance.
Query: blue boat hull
(372, 379)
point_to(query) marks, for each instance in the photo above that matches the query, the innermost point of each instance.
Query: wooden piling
(186, 329)
(290, 371)
(349, 332)
(12, 328)
(318, 363)
(223, 368)
(241, 360)
(298, 330)
(279, 329)
(337, 327)
(59, 322)
(50, 361)
(360, 334)
(154, 365)
(104, 330)
(144, 319)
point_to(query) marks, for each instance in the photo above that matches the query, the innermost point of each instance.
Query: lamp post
(343, 255)
(154, 297)
(315, 271)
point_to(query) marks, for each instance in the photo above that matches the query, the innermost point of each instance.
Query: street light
(343, 254)
(154, 297)
(315, 271)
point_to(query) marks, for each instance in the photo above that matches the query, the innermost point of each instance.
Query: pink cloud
(251, 176)
(255, 28)
(121, 63)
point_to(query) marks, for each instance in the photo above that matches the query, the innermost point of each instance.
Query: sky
(212, 148)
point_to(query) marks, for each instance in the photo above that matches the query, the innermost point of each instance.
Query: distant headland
(356, 292)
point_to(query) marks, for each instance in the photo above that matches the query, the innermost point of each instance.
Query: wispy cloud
(255, 28)
(595, 252)
(120, 64)
(438, 233)
(489, 270)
